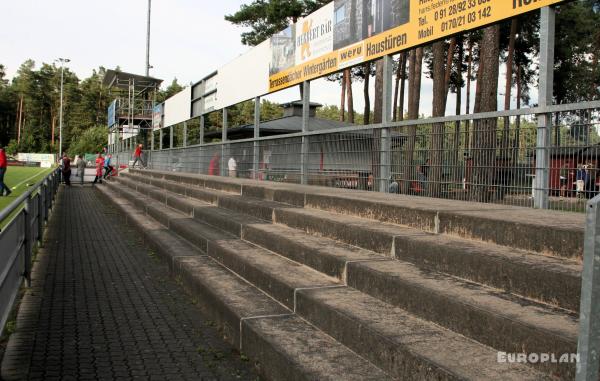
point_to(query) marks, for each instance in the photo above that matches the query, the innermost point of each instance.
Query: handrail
(6, 212)
(27, 213)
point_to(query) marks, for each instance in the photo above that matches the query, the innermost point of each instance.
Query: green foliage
(268, 17)
(90, 141)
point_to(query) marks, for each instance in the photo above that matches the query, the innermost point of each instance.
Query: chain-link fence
(478, 157)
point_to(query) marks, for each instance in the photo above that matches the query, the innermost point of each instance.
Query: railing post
(185, 133)
(41, 211)
(305, 128)
(223, 142)
(385, 146)
(152, 139)
(588, 347)
(28, 246)
(202, 123)
(161, 137)
(171, 137)
(256, 146)
(542, 152)
(202, 149)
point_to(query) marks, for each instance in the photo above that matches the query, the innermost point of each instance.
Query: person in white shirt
(232, 166)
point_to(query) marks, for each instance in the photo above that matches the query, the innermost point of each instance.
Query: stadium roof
(121, 80)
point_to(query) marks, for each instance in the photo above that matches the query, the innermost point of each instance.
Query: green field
(19, 179)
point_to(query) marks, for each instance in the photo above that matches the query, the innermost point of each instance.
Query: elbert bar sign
(348, 32)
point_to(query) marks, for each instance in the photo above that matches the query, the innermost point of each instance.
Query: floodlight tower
(60, 114)
(148, 40)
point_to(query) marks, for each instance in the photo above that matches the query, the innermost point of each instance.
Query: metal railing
(22, 226)
(487, 157)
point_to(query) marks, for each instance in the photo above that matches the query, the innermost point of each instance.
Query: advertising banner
(112, 113)
(178, 108)
(45, 159)
(363, 30)
(157, 113)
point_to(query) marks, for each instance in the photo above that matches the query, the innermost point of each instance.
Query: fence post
(542, 152)
(28, 210)
(161, 137)
(385, 146)
(201, 138)
(41, 211)
(223, 142)
(256, 155)
(588, 347)
(305, 128)
(185, 133)
(171, 137)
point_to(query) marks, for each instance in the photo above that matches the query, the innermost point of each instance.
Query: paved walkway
(102, 307)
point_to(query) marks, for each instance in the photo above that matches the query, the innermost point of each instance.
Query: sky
(189, 39)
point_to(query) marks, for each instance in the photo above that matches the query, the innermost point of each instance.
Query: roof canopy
(122, 80)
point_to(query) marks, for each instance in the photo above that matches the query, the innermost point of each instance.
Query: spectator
(581, 179)
(80, 164)
(213, 166)
(99, 167)
(4, 189)
(108, 168)
(232, 166)
(66, 169)
(138, 156)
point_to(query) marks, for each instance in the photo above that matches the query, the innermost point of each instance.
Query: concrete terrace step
(285, 346)
(417, 359)
(277, 276)
(405, 346)
(553, 280)
(490, 316)
(547, 232)
(548, 279)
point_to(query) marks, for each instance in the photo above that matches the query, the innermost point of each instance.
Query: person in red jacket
(137, 156)
(4, 189)
(213, 166)
(99, 167)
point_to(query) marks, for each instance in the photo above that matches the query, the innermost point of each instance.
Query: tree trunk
(468, 100)
(517, 140)
(377, 118)
(456, 144)
(397, 88)
(343, 98)
(350, 100)
(20, 116)
(508, 86)
(402, 86)
(436, 148)
(414, 97)
(367, 110)
(484, 134)
(448, 72)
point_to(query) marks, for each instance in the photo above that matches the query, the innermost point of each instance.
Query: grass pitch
(19, 179)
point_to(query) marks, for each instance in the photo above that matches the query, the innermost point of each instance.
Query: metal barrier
(487, 157)
(23, 227)
(588, 347)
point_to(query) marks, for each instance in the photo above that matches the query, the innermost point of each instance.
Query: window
(340, 14)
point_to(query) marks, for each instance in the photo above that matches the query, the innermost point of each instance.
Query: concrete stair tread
(552, 280)
(543, 231)
(401, 343)
(323, 254)
(274, 274)
(286, 346)
(217, 197)
(553, 320)
(525, 257)
(318, 355)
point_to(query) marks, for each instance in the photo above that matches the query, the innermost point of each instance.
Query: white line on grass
(24, 181)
